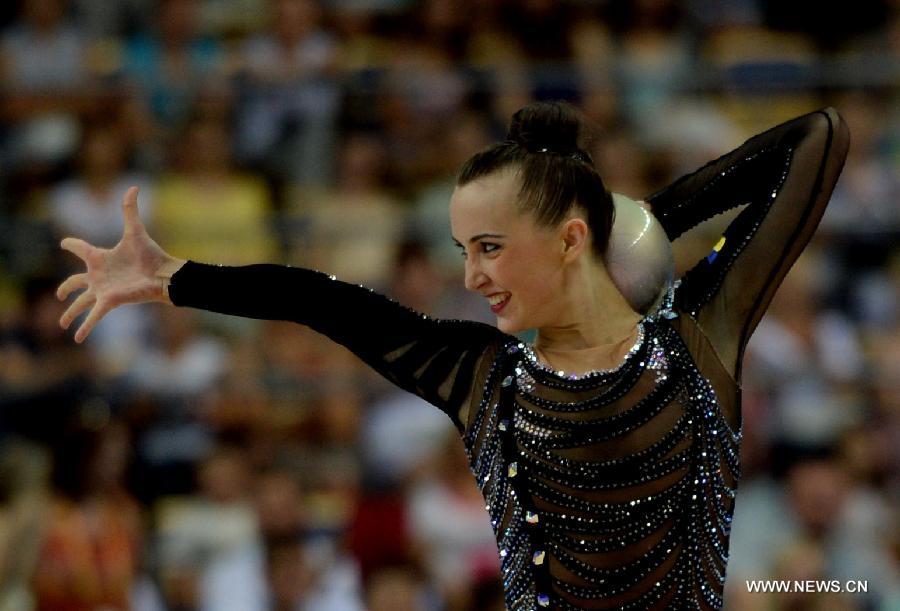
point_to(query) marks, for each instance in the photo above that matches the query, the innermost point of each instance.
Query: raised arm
(785, 177)
(439, 360)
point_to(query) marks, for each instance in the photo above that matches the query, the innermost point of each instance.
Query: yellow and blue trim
(715, 251)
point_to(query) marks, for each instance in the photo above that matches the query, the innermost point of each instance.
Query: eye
(488, 247)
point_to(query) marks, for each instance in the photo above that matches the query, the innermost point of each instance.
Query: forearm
(281, 292)
(744, 175)
(785, 177)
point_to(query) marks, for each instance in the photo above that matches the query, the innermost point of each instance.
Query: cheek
(533, 279)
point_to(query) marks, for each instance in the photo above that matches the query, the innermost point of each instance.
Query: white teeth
(495, 299)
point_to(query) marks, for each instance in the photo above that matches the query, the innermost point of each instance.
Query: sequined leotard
(615, 489)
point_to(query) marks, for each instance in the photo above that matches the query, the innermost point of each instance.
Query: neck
(596, 323)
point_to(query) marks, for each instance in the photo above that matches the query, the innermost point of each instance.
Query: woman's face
(514, 263)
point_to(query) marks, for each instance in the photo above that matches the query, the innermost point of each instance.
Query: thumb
(130, 212)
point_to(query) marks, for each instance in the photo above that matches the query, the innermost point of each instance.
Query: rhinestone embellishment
(557, 438)
(535, 363)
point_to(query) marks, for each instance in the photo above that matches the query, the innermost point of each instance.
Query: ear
(574, 235)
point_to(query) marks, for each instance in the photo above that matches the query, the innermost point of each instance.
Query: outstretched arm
(785, 177)
(436, 359)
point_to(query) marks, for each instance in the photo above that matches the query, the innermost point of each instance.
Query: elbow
(838, 131)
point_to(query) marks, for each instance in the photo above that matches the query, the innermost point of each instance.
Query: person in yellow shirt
(206, 210)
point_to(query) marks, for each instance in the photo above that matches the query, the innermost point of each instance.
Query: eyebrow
(475, 238)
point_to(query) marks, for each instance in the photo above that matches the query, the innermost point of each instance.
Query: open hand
(133, 271)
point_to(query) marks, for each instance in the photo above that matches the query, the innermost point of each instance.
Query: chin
(510, 327)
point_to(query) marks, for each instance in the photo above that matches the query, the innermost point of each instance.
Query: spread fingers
(97, 312)
(81, 303)
(77, 247)
(72, 283)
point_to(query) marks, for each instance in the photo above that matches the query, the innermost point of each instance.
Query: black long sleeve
(436, 359)
(785, 177)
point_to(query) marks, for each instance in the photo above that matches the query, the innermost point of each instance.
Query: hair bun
(554, 126)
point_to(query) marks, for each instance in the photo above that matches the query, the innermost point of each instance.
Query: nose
(475, 277)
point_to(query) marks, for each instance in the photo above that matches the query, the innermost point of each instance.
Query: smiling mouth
(498, 302)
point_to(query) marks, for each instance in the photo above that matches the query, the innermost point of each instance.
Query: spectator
(206, 210)
(47, 84)
(90, 204)
(169, 68)
(447, 520)
(91, 546)
(349, 231)
(286, 119)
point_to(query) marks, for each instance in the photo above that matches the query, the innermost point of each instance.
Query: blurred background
(181, 460)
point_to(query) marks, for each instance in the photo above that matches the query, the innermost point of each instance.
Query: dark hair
(543, 144)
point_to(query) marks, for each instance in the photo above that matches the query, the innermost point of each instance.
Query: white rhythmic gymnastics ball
(639, 257)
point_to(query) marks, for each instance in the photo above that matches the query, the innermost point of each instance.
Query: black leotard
(612, 490)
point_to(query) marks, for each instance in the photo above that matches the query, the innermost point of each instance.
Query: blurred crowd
(181, 460)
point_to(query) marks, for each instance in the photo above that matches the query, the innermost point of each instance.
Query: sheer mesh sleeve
(435, 359)
(785, 177)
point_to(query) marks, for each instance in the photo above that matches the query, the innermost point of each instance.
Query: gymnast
(607, 450)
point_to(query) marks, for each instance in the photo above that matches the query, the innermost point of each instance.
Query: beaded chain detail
(583, 520)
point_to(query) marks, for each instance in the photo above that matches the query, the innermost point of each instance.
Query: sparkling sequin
(590, 375)
(526, 430)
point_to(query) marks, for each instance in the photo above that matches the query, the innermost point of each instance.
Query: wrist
(164, 275)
